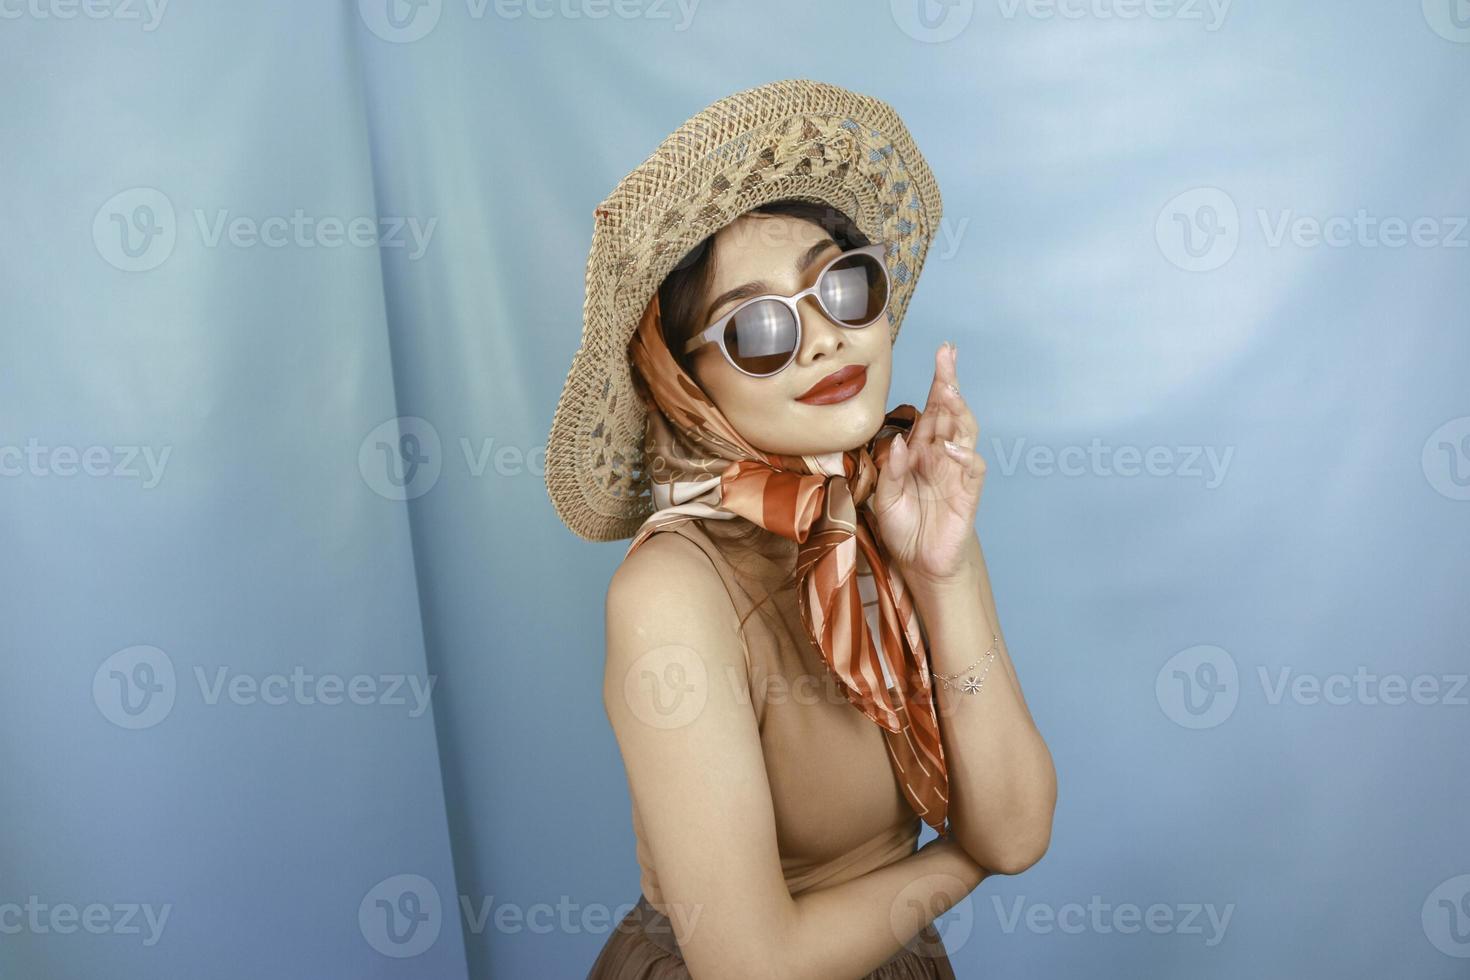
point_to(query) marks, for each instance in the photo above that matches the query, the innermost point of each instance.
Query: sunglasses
(761, 336)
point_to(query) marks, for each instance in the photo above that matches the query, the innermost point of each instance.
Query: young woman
(804, 662)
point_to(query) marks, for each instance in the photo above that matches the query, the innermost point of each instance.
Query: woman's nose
(820, 337)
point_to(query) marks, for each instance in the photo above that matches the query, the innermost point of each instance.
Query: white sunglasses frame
(715, 332)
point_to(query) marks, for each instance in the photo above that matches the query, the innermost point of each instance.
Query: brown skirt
(643, 947)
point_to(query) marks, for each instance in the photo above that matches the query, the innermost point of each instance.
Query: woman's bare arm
(1003, 785)
(692, 751)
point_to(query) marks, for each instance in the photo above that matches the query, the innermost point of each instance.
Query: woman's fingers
(892, 475)
(933, 424)
(972, 464)
(946, 410)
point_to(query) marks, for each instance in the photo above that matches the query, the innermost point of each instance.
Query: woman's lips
(836, 387)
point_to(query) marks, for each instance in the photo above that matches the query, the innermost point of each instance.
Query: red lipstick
(838, 386)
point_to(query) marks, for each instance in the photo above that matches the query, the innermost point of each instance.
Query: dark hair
(682, 296)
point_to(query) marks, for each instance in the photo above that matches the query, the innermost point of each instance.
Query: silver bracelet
(970, 685)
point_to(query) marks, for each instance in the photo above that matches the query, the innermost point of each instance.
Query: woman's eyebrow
(749, 289)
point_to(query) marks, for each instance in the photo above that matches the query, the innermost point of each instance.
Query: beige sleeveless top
(839, 810)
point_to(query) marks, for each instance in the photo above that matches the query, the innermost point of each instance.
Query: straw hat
(789, 139)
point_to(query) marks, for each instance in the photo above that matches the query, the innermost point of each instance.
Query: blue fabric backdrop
(290, 290)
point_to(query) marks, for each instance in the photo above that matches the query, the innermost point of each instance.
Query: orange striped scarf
(700, 468)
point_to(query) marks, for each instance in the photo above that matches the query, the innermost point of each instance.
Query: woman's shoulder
(671, 589)
(676, 566)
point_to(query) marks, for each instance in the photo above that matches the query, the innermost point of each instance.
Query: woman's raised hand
(929, 488)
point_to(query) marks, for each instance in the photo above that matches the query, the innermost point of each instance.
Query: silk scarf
(854, 604)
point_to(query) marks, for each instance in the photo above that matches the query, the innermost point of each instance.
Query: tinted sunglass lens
(761, 337)
(854, 290)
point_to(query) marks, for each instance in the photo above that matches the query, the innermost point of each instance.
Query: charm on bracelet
(970, 684)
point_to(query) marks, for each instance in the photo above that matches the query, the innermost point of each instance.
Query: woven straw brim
(789, 139)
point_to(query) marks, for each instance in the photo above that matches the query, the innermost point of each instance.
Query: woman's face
(768, 250)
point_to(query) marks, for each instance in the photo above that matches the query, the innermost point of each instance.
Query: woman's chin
(817, 429)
